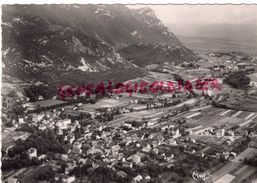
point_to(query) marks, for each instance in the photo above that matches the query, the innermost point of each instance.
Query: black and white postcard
(129, 93)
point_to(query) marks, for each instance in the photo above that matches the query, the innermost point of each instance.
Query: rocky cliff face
(77, 43)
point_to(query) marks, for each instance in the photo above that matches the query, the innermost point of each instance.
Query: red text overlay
(142, 87)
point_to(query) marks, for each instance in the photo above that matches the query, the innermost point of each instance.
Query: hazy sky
(182, 18)
(206, 13)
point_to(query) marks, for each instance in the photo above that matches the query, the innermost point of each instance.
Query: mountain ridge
(64, 42)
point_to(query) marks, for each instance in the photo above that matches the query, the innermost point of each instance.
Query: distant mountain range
(221, 37)
(218, 44)
(74, 44)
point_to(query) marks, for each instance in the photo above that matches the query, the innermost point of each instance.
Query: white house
(12, 180)
(21, 120)
(68, 179)
(32, 153)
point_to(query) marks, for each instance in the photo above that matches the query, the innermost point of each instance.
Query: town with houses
(53, 131)
(145, 137)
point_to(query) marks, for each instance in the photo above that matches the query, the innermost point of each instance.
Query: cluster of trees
(134, 123)
(18, 162)
(102, 174)
(98, 175)
(238, 79)
(185, 167)
(165, 103)
(241, 145)
(106, 116)
(46, 174)
(84, 99)
(34, 91)
(5, 122)
(152, 169)
(179, 79)
(184, 108)
(190, 65)
(114, 110)
(18, 109)
(175, 178)
(78, 132)
(251, 161)
(81, 117)
(27, 128)
(43, 141)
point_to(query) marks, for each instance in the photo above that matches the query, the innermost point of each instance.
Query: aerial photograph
(129, 93)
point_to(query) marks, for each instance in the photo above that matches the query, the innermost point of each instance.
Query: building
(68, 179)
(176, 134)
(70, 138)
(12, 180)
(63, 124)
(64, 157)
(220, 132)
(138, 178)
(21, 120)
(248, 67)
(77, 147)
(42, 157)
(32, 152)
(152, 67)
(36, 117)
(136, 159)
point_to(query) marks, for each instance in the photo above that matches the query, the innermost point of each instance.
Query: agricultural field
(106, 102)
(195, 73)
(45, 103)
(241, 103)
(146, 114)
(219, 117)
(247, 153)
(162, 76)
(237, 171)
